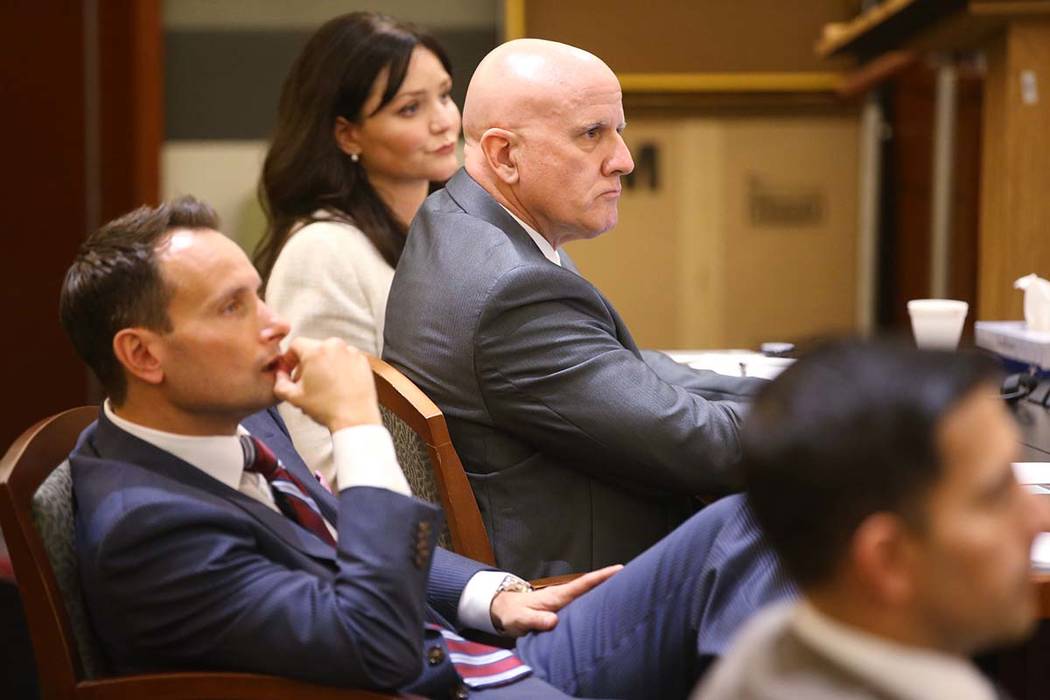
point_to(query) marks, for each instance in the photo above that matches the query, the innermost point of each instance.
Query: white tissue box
(1012, 340)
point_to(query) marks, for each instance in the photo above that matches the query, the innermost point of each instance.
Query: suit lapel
(113, 443)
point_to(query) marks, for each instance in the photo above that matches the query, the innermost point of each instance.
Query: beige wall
(751, 236)
(223, 173)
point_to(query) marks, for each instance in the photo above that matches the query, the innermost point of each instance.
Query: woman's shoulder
(328, 237)
(323, 225)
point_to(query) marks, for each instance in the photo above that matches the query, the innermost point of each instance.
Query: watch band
(511, 584)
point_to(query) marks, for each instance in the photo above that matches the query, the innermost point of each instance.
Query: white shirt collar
(542, 243)
(904, 671)
(219, 456)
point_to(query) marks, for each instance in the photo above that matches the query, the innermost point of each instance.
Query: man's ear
(345, 133)
(498, 146)
(137, 350)
(882, 558)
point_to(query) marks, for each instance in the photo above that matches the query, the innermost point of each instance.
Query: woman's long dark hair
(305, 170)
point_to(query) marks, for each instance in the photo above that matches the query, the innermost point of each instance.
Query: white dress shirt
(364, 456)
(542, 243)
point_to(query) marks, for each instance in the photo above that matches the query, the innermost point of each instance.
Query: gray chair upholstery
(415, 463)
(53, 515)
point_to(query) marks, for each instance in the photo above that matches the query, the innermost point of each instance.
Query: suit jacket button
(461, 693)
(435, 655)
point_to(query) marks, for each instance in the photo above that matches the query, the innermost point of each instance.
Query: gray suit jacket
(582, 450)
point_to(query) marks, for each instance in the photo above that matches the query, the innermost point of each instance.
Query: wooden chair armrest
(553, 580)
(218, 686)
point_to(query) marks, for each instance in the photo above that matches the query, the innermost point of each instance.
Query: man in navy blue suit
(198, 550)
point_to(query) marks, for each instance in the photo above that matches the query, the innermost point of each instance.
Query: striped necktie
(479, 665)
(290, 495)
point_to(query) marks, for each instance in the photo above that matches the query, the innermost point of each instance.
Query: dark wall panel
(225, 84)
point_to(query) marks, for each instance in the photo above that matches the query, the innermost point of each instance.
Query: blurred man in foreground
(883, 478)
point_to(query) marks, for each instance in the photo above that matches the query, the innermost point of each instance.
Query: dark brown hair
(845, 432)
(115, 283)
(305, 170)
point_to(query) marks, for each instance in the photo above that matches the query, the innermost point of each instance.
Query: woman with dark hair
(365, 123)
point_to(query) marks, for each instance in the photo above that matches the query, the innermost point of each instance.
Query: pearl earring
(354, 157)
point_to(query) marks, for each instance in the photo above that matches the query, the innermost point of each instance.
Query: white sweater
(329, 280)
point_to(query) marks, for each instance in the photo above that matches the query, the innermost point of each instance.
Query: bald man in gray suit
(582, 449)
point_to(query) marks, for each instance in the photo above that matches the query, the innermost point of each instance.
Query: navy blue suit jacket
(180, 571)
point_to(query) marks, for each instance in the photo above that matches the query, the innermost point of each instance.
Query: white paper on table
(1032, 472)
(734, 363)
(1041, 551)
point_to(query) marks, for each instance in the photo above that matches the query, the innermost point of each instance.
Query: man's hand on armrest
(515, 614)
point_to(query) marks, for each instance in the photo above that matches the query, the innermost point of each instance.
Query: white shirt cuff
(475, 602)
(364, 456)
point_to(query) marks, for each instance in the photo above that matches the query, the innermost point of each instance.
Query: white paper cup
(937, 323)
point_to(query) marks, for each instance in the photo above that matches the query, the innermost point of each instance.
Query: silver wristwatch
(513, 584)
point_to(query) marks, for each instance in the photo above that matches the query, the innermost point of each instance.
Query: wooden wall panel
(993, 194)
(43, 189)
(909, 183)
(699, 36)
(1015, 208)
(131, 104)
(77, 146)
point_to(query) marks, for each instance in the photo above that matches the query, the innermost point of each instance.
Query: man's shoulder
(114, 473)
(770, 660)
(116, 480)
(751, 659)
(115, 496)
(442, 215)
(464, 214)
(461, 247)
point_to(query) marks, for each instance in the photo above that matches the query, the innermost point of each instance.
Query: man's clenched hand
(329, 381)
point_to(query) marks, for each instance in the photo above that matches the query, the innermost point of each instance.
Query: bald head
(519, 81)
(542, 123)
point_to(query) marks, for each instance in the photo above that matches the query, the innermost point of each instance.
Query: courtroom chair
(431, 465)
(429, 461)
(36, 514)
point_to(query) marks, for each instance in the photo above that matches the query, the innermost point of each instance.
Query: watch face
(514, 585)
